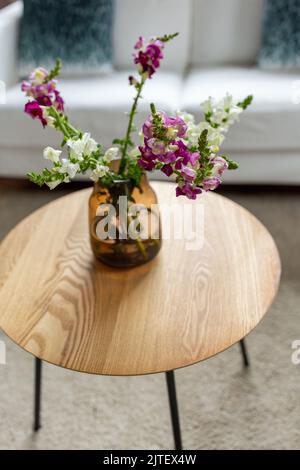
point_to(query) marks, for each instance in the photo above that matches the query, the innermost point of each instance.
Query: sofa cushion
(273, 120)
(96, 104)
(281, 35)
(154, 18)
(77, 31)
(226, 32)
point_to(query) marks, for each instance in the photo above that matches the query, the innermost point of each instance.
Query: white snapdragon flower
(208, 105)
(214, 136)
(193, 133)
(223, 113)
(76, 149)
(99, 172)
(69, 168)
(51, 154)
(111, 154)
(53, 184)
(233, 114)
(227, 102)
(220, 117)
(188, 118)
(82, 147)
(89, 144)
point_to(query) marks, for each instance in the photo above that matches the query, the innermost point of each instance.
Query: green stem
(142, 248)
(129, 128)
(72, 129)
(66, 128)
(138, 241)
(59, 122)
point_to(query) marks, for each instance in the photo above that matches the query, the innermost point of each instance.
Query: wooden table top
(62, 305)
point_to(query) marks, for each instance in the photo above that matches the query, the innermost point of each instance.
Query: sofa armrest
(9, 31)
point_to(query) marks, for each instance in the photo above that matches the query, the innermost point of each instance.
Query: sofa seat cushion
(273, 120)
(97, 105)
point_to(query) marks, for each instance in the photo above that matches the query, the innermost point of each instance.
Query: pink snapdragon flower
(211, 183)
(58, 101)
(164, 148)
(43, 93)
(219, 165)
(38, 76)
(175, 126)
(148, 56)
(36, 91)
(188, 173)
(188, 190)
(170, 148)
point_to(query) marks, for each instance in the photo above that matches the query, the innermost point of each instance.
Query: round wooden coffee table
(63, 306)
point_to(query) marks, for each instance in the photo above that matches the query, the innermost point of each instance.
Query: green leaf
(167, 37)
(202, 141)
(246, 102)
(232, 165)
(34, 178)
(118, 141)
(55, 71)
(159, 129)
(153, 109)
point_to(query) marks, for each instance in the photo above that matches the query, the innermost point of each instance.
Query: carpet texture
(222, 406)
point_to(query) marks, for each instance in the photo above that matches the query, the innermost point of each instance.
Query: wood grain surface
(65, 307)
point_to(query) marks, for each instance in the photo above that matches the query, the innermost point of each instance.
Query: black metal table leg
(174, 409)
(37, 394)
(244, 353)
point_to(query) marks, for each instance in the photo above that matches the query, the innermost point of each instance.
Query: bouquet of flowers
(175, 145)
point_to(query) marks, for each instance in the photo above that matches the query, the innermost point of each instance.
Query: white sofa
(215, 53)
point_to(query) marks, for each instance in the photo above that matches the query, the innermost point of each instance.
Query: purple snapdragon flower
(165, 148)
(36, 91)
(38, 76)
(211, 183)
(148, 56)
(188, 173)
(43, 93)
(34, 109)
(58, 101)
(188, 190)
(219, 165)
(175, 126)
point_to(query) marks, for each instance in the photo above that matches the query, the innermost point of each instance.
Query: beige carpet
(222, 406)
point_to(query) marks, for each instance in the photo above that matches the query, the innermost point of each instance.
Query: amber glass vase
(124, 223)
